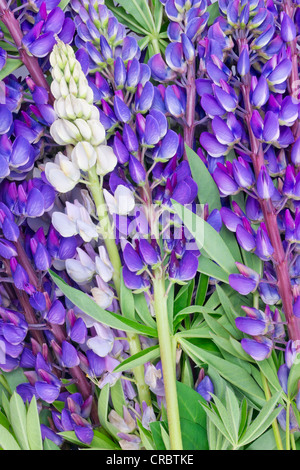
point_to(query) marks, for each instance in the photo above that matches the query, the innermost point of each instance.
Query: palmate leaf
(140, 10)
(262, 421)
(87, 305)
(233, 373)
(125, 18)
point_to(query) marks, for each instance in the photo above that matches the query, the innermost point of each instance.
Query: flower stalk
(189, 127)
(107, 230)
(168, 360)
(10, 21)
(270, 219)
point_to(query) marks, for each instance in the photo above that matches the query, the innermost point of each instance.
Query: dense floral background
(149, 225)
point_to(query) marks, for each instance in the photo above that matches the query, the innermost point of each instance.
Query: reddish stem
(293, 80)
(270, 219)
(31, 63)
(189, 128)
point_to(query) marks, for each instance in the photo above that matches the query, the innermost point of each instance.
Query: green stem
(168, 360)
(275, 423)
(293, 443)
(113, 253)
(155, 45)
(287, 427)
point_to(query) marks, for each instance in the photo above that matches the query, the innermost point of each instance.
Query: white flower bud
(84, 129)
(106, 160)
(55, 89)
(84, 156)
(69, 108)
(63, 174)
(103, 265)
(57, 73)
(83, 87)
(67, 73)
(60, 132)
(98, 132)
(64, 89)
(76, 71)
(63, 224)
(102, 294)
(121, 203)
(73, 87)
(79, 273)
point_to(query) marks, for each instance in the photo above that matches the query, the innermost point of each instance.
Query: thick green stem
(275, 426)
(287, 427)
(155, 45)
(168, 360)
(113, 253)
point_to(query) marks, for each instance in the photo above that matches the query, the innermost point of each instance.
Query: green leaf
(33, 427)
(294, 377)
(126, 19)
(140, 10)
(5, 405)
(102, 442)
(145, 436)
(49, 445)
(207, 238)
(264, 442)
(117, 397)
(233, 373)
(262, 421)
(189, 403)
(4, 421)
(201, 289)
(202, 331)
(14, 378)
(187, 377)
(70, 436)
(103, 412)
(142, 309)
(215, 326)
(155, 428)
(10, 67)
(214, 12)
(165, 437)
(18, 420)
(214, 418)
(63, 4)
(229, 309)
(87, 305)
(211, 269)
(232, 406)
(149, 354)
(158, 14)
(7, 440)
(208, 192)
